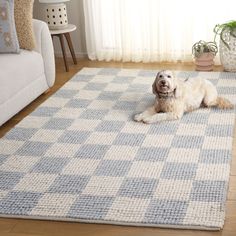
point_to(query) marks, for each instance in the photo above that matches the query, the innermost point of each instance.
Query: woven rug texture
(80, 156)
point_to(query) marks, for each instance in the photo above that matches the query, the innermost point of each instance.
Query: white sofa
(24, 76)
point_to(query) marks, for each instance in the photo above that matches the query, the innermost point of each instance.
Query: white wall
(76, 17)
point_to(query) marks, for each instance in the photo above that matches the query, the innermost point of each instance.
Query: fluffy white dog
(174, 97)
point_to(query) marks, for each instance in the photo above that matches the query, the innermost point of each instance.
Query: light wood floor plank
(7, 225)
(232, 188)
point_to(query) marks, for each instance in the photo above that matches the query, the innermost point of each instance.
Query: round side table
(65, 33)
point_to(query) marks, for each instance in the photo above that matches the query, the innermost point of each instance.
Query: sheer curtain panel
(151, 30)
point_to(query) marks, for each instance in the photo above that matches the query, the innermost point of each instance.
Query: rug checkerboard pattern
(80, 157)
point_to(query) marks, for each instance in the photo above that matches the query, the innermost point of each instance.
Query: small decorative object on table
(55, 13)
(227, 32)
(204, 54)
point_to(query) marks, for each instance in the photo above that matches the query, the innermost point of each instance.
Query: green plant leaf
(201, 47)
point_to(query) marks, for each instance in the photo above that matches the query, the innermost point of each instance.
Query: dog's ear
(178, 89)
(154, 87)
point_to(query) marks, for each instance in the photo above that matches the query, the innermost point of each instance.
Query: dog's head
(165, 82)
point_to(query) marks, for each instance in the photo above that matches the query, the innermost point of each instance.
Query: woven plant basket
(228, 56)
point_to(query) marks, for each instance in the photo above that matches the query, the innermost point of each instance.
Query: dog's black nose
(163, 82)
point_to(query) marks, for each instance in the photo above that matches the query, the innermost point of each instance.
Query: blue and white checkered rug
(80, 157)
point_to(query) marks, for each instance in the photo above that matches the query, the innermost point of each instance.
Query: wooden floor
(17, 227)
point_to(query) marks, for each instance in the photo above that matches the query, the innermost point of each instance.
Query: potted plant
(204, 54)
(227, 33)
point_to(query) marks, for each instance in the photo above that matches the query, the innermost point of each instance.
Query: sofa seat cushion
(17, 71)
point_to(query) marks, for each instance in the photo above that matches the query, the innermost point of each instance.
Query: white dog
(175, 96)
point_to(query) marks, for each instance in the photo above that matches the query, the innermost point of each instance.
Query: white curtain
(151, 30)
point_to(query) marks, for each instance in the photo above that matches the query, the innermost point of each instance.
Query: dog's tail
(223, 103)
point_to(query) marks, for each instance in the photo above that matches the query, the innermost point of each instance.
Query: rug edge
(115, 223)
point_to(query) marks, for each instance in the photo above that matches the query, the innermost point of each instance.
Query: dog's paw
(138, 117)
(148, 120)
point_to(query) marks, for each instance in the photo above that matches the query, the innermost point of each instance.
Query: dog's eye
(168, 76)
(160, 76)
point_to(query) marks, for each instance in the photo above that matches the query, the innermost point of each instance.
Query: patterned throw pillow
(8, 37)
(24, 23)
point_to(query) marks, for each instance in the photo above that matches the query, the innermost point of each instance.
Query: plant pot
(205, 62)
(228, 56)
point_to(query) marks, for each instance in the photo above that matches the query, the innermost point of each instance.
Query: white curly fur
(174, 97)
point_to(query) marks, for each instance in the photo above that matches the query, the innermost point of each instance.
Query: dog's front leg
(163, 117)
(147, 113)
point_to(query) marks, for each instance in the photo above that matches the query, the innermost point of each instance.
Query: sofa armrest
(45, 47)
